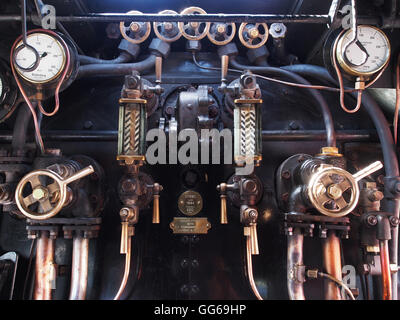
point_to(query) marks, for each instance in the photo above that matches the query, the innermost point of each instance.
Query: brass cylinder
(254, 239)
(332, 265)
(224, 215)
(45, 269)
(156, 208)
(124, 237)
(385, 267)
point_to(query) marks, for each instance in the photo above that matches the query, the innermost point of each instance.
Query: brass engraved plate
(190, 203)
(190, 225)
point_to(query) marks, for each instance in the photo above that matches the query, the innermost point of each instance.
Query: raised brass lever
(157, 188)
(223, 188)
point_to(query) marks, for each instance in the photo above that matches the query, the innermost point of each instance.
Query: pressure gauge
(50, 52)
(365, 56)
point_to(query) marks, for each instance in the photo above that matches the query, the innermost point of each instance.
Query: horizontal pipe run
(385, 22)
(267, 135)
(154, 17)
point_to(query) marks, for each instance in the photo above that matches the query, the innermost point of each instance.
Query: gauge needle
(359, 44)
(43, 55)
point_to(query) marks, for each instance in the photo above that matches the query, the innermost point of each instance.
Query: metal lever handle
(222, 188)
(158, 65)
(156, 202)
(367, 170)
(254, 239)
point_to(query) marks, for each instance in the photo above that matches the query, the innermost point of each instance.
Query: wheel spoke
(341, 203)
(46, 205)
(323, 198)
(29, 200)
(53, 187)
(344, 185)
(34, 181)
(326, 180)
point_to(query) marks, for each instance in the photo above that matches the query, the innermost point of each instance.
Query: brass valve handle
(221, 33)
(51, 198)
(192, 30)
(139, 30)
(157, 188)
(327, 187)
(251, 36)
(223, 188)
(167, 31)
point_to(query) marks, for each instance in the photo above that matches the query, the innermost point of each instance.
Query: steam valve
(51, 198)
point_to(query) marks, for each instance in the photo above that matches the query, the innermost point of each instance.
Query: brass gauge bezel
(63, 48)
(342, 61)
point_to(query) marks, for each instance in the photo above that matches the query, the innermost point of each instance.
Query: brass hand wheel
(253, 35)
(167, 31)
(50, 197)
(194, 30)
(334, 192)
(139, 30)
(221, 33)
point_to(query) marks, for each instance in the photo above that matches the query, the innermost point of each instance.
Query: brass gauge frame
(339, 53)
(59, 41)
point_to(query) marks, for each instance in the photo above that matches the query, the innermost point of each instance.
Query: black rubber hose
(388, 149)
(119, 69)
(20, 129)
(322, 104)
(123, 57)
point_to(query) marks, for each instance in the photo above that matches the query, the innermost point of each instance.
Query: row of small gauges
(250, 35)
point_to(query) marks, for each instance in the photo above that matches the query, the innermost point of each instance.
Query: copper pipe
(126, 271)
(79, 274)
(294, 260)
(385, 267)
(332, 265)
(250, 269)
(45, 270)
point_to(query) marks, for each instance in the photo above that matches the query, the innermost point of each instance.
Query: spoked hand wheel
(167, 31)
(41, 194)
(194, 30)
(138, 31)
(253, 35)
(334, 192)
(221, 33)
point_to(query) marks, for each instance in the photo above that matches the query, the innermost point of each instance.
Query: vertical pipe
(250, 275)
(294, 260)
(79, 276)
(332, 265)
(45, 272)
(385, 267)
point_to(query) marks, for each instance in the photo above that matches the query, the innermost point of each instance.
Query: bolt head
(253, 33)
(135, 27)
(372, 220)
(39, 193)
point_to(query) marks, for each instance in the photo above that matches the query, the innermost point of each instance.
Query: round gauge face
(367, 55)
(51, 58)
